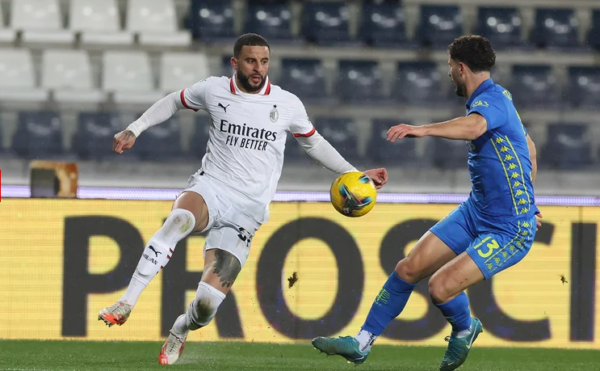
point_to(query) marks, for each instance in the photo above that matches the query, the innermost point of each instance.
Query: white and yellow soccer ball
(353, 194)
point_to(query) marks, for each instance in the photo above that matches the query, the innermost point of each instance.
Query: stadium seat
(2, 149)
(293, 151)
(383, 24)
(7, 35)
(226, 69)
(68, 73)
(567, 147)
(419, 84)
(501, 26)
(341, 133)
(594, 33)
(99, 22)
(161, 143)
(439, 25)
(38, 135)
(200, 137)
(555, 28)
(181, 70)
(270, 19)
(584, 87)
(447, 154)
(380, 150)
(94, 135)
(156, 23)
(305, 78)
(534, 86)
(212, 20)
(128, 75)
(17, 77)
(40, 21)
(359, 82)
(326, 23)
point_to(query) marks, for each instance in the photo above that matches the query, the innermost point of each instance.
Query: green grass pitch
(236, 356)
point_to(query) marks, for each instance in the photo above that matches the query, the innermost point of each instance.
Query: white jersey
(247, 138)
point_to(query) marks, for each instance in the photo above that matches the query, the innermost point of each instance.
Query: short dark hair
(474, 51)
(249, 39)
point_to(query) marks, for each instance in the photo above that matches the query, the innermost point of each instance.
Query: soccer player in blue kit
(488, 233)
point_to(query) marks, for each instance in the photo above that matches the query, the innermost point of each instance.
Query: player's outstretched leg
(444, 286)
(155, 256)
(426, 257)
(220, 271)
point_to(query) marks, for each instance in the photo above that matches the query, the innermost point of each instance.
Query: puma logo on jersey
(224, 107)
(155, 252)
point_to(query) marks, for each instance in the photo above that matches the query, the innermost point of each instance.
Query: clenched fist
(123, 141)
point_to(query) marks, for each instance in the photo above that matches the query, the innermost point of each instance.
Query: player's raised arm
(323, 152)
(463, 128)
(191, 98)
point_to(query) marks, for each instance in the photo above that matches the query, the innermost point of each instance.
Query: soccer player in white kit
(229, 196)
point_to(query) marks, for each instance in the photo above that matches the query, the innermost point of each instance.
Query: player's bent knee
(438, 291)
(195, 204)
(408, 271)
(204, 307)
(179, 223)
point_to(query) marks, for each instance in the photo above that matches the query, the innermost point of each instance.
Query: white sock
(366, 340)
(158, 251)
(134, 290)
(180, 327)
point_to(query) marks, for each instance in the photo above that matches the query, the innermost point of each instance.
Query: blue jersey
(499, 162)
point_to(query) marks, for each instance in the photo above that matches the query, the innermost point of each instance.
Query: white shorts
(229, 229)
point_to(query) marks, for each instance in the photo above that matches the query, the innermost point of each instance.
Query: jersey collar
(266, 90)
(480, 89)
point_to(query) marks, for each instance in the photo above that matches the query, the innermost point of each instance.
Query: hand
(378, 176)
(403, 130)
(123, 141)
(539, 223)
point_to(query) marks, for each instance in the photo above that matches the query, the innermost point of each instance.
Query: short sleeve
(194, 97)
(300, 124)
(492, 109)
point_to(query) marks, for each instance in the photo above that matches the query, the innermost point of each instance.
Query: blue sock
(388, 304)
(457, 312)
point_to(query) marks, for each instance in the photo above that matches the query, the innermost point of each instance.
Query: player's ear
(234, 63)
(463, 69)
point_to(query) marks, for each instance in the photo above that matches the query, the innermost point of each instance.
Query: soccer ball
(353, 194)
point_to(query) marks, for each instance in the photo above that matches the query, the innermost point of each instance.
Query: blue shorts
(493, 246)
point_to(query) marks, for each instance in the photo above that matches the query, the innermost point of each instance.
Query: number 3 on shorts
(491, 246)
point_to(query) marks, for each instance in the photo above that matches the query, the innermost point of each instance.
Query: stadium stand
(17, 77)
(568, 146)
(341, 133)
(98, 22)
(212, 20)
(381, 151)
(94, 135)
(271, 19)
(327, 23)
(534, 86)
(439, 25)
(68, 74)
(305, 78)
(344, 59)
(584, 87)
(39, 135)
(383, 24)
(555, 29)
(359, 82)
(502, 26)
